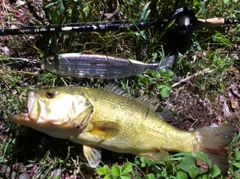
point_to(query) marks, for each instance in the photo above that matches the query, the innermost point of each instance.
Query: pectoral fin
(93, 155)
(155, 156)
(104, 130)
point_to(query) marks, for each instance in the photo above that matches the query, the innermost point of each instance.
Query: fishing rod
(77, 27)
(184, 21)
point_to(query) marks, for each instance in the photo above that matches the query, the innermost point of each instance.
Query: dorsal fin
(147, 101)
(115, 89)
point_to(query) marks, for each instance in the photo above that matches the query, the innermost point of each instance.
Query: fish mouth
(34, 108)
(30, 115)
(21, 119)
(31, 99)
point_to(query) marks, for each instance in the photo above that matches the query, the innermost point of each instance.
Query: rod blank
(109, 26)
(82, 27)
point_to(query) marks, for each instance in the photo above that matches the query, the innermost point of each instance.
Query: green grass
(42, 155)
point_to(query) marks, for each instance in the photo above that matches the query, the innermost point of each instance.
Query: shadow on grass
(36, 148)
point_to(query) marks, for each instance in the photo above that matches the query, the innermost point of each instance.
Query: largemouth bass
(111, 119)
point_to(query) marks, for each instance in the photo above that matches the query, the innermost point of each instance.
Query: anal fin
(155, 156)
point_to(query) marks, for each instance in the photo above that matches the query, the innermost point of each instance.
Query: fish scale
(147, 119)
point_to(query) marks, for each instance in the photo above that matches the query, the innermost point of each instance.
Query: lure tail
(215, 139)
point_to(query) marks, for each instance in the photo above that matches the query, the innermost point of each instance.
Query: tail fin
(215, 139)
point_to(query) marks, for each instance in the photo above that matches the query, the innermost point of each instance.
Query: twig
(205, 71)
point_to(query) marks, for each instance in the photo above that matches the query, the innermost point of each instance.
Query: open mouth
(31, 99)
(25, 117)
(34, 107)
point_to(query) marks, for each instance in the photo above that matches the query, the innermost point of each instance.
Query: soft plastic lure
(99, 66)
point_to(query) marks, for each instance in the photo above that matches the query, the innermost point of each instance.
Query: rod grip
(210, 22)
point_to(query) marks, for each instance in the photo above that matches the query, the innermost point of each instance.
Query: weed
(161, 79)
(6, 150)
(116, 171)
(181, 165)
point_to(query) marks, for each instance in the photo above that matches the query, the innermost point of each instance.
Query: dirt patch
(194, 111)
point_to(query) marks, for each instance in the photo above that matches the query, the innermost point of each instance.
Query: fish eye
(49, 94)
(50, 60)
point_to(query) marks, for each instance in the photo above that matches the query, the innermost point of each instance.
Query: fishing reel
(178, 36)
(184, 21)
